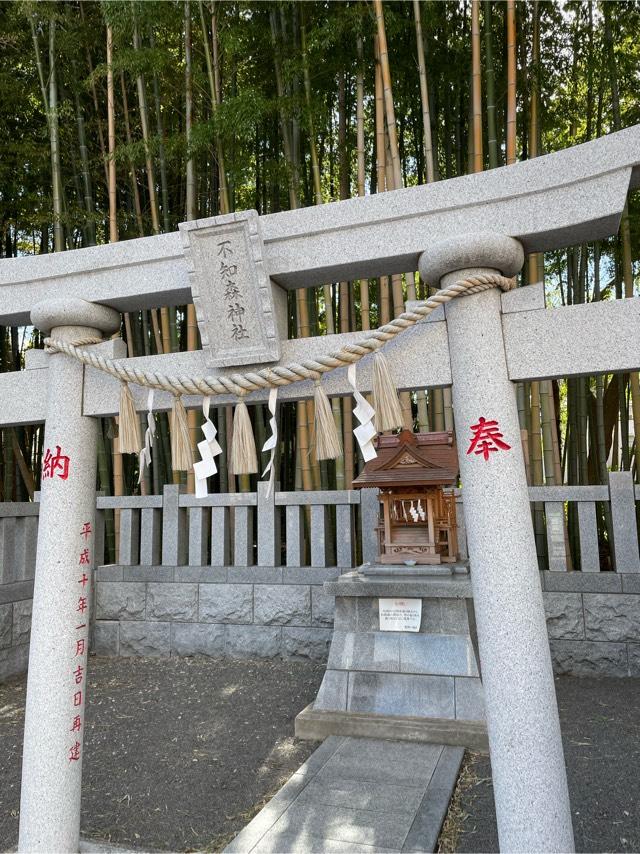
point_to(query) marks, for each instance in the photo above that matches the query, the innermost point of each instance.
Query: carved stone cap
(73, 311)
(473, 250)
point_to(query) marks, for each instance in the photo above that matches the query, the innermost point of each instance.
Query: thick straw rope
(311, 369)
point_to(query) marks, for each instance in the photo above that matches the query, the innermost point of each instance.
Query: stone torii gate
(480, 345)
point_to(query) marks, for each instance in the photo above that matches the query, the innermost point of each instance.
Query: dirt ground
(179, 752)
(182, 752)
(600, 720)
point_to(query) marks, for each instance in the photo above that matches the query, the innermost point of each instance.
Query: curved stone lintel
(72, 311)
(484, 250)
(560, 199)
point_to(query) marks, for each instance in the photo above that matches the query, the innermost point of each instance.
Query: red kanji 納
(486, 438)
(55, 464)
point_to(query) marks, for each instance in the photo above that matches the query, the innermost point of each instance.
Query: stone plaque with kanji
(231, 290)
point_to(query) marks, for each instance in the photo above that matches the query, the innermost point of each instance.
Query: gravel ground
(179, 752)
(600, 721)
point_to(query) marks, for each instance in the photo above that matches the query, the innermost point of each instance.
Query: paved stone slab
(365, 827)
(267, 817)
(358, 795)
(303, 842)
(378, 796)
(423, 835)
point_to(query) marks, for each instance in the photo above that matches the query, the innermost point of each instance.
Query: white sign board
(400, 615)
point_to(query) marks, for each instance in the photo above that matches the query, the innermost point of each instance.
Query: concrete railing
(620, 495)
(18, 537)
(317, 529)
(245, 529)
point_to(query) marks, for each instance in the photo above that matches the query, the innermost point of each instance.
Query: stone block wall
(15, 627)
(593, 620)
(238, 612)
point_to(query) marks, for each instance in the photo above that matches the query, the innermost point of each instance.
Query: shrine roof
(411, 459)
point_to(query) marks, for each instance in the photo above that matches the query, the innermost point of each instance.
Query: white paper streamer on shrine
(272, 441)
(145, 454)
(209, 448)
(364, 412)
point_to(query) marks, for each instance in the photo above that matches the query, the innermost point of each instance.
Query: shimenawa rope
(240, 384)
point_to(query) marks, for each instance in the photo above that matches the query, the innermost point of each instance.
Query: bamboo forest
(121, 119)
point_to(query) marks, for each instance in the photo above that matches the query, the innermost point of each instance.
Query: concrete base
(425, 683)
(364, 796)
(313, 725)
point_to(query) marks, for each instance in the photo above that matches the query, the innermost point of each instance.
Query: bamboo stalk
(492, 135)
(388, 95)
(132, 169)
(424, 95)
(111, 136)
(476, 86)
(511, 82)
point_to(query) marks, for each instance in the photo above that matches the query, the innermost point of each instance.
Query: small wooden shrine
(416, 473)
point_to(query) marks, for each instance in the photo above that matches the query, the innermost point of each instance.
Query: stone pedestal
(422, 685)
(57, 680)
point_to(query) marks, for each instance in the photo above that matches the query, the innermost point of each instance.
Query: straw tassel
(244, 459)
(328, 445)
(385, 396)
(181, 456)
(128, 424)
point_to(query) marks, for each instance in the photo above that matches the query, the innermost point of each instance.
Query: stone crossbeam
(563, 198)
(540, 344)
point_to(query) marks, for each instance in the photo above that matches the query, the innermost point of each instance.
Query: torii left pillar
(57, 679)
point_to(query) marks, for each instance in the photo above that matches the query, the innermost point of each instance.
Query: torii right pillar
(527, 761)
